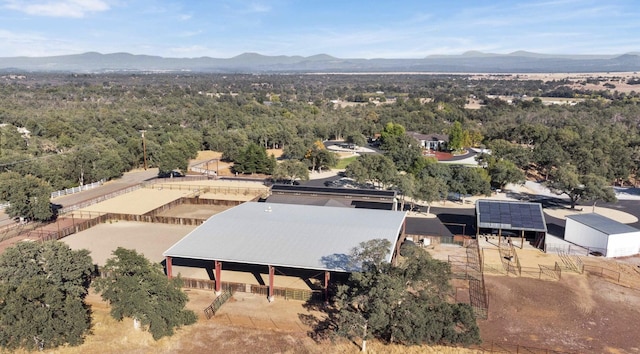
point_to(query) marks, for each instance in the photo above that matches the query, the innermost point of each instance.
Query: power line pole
(144, 150)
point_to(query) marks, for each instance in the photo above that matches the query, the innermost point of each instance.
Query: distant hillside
(476, 62)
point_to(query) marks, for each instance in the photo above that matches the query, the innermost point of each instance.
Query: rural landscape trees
(61, 130)
(97, 133)
(42, 295)
(400, 304)
(28, 196)
(138, 289)
(43, 288)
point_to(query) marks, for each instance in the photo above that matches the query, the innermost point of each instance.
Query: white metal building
(603, 235)
(288, 236)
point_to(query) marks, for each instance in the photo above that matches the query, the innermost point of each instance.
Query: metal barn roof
(297, 236)
(602, 223)
(506, 215)
(347, 192)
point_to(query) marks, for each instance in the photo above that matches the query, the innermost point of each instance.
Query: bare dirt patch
(194, 211)
(147, 238)
(577, 314)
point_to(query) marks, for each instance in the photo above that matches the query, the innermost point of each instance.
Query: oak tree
(137, 288)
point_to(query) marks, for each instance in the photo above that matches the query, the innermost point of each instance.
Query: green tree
(469, 180)
(356, 138)
(405, 185)
(406, 304)
(42, 292)
(29, 196)
(290, 170)
(319, 157)
(254, 159)
(138, 289)
(566, 180)
(431, 189)
(503, 172)
(456, 137)
(372, 168)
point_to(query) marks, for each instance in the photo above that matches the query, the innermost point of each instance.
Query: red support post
(272, 272)
(326, 285)
(218, 271)
(168, 266)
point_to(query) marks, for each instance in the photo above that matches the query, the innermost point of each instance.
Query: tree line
(85, 128)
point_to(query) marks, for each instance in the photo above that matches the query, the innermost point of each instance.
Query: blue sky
(345, 29)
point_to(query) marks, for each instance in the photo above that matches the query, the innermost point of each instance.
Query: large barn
(602, 235)
(287, 236)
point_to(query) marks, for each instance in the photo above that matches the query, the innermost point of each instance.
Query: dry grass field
(246, 324)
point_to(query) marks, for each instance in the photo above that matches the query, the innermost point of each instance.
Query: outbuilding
(601, 235)
(511, 218)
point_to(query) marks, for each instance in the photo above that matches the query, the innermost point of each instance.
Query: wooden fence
(286, 293)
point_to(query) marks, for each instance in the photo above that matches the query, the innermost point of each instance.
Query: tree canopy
(254, 159)
(29, 196)
(137, 288)
(403, 304)
(290, 171)
(42, 292)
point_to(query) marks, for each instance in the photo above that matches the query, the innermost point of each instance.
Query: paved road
(127, 180)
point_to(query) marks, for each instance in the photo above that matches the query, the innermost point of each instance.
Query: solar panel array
(510, 215)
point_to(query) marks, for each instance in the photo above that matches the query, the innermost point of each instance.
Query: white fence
(74, 190)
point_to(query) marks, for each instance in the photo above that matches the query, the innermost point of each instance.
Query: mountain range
(469, 62)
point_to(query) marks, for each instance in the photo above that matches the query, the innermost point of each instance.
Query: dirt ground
(582, 314)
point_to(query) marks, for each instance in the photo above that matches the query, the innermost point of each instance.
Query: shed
(603, 235)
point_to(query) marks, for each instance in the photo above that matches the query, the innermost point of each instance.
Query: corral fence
(607, 274)
(554, 272)
(574, 250)
(478, 296)
(225, 190)
(211, 310)
(191, 201)
(286, 293)
(99, 199)
(83, 220)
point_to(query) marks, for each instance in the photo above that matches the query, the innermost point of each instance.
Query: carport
(511, 218)
(287, 236)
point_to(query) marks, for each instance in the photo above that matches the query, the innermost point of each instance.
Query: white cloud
(32, 45)
(184, 17)
(58, 8)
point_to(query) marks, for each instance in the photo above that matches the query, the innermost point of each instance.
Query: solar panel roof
(297, 236)
(506, 215)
